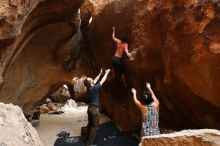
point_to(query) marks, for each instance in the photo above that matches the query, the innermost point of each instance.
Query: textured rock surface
(79, 87)
(34, 59)
(204, 137)
(179, 55)
(74, 89)
(15, 129)
(20, 20)
(61, 95)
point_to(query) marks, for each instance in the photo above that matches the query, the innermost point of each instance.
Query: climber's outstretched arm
(104, 77)
(156, 101)
(138, 103)
(113, 35)
(97, 78)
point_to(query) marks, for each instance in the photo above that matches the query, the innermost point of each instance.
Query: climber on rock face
(117, 61)
(93, 110)
(149, 107)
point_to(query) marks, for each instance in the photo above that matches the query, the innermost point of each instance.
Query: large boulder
(79, 87)
(61, 95)
(178, 53)
(203, 137)
(15, 129)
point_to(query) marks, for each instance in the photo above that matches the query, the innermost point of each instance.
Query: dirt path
(71, 122)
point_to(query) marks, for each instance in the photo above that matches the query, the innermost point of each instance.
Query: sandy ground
(72, 121)
(51, 125)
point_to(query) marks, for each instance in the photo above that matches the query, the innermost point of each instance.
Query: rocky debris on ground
(52, 124)
(50, 107)
(70, 105)
(44, 109)
(15, 130)
(202, 137)
(65, 90)
(62, 94)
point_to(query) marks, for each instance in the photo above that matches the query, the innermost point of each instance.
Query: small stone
(44, 109)
(52, 107)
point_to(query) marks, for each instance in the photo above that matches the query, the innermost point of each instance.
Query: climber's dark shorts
(118, 64)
